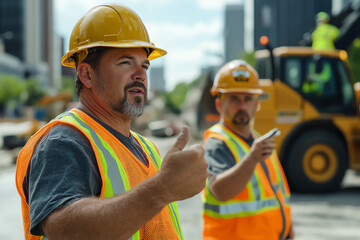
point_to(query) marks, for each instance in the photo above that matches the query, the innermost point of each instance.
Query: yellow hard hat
(322, 16)
(236, 76)
(111, 25)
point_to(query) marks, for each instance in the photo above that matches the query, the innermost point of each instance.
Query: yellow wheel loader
(311, 98)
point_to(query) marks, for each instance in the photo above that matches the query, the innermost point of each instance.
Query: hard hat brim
(68, 61)
(253, 91)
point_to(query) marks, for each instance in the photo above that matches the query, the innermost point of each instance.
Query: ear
(258, 107)
(86, 74)
(218, 105)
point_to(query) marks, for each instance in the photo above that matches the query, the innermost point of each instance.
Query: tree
(68, 85)
(249, 57)
(33, 92)
(174, 99)
(10, 91)
(354, 59)
(10, 88)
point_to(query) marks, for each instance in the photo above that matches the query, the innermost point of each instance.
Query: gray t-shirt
(63, 169)
(219, 156)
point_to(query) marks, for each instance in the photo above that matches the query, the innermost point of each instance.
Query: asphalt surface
(332, 216)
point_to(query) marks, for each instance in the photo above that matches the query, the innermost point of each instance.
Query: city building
(157, 79)
(283, 21)
(39, 41)
(11, 66)
(33, 41)
(234, 32)
(12, 21)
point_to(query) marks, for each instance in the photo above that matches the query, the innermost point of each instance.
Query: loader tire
(317, 162)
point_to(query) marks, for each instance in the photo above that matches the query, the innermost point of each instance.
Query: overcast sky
(186, 29)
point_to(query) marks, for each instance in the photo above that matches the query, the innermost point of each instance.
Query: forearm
(118, 217)
(230, 183)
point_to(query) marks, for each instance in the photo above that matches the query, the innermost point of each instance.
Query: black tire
(316, 162)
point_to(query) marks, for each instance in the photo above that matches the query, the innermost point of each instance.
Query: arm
(182, 175)
(222, 185)
(111, 218)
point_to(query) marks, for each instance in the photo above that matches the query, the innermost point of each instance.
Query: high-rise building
(12, 21)
(234, 32)
(283, 21)
(39, 36)
(31, 24)
(10, 65)
(157, 79)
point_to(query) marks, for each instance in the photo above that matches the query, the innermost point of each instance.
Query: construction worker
(325, 34)
(316, 79)
(246, 195)
(85, 175)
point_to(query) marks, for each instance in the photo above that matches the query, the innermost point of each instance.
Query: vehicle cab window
(322, 81)
(293, 73)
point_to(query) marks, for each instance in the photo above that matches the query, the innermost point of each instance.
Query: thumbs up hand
(183, 172)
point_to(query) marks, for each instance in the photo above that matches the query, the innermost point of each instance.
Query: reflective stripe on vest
(256, 202)
(151, 150)
(116, 181)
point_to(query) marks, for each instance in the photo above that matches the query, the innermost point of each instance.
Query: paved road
(334, 216)
(10, 209)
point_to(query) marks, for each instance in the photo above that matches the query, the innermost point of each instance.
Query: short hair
(93, 59)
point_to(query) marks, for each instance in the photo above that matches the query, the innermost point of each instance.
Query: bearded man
(246, 195)
(86, 175)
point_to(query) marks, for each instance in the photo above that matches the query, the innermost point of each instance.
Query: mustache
(241, 112)
(135, 84)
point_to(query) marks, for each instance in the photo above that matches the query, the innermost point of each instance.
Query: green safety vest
(324, 36)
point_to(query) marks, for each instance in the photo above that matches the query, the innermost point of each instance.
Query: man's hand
(291, 233)
(183, 172)
(262, 148)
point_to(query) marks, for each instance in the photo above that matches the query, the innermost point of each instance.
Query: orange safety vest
(119, 169)
(261, 211)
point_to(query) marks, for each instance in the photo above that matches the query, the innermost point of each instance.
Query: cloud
(215, 4)
(184, 63)
(71, 5)
(189, 47)
(191, 41)
(178, 30)
(179, 37)
(198, 53)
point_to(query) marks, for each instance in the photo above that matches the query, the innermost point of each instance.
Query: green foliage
(33, 92)
(10, 88)
(249, 58)
(195, 82)
(354, 59)
(68, 85)
(174, 99)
